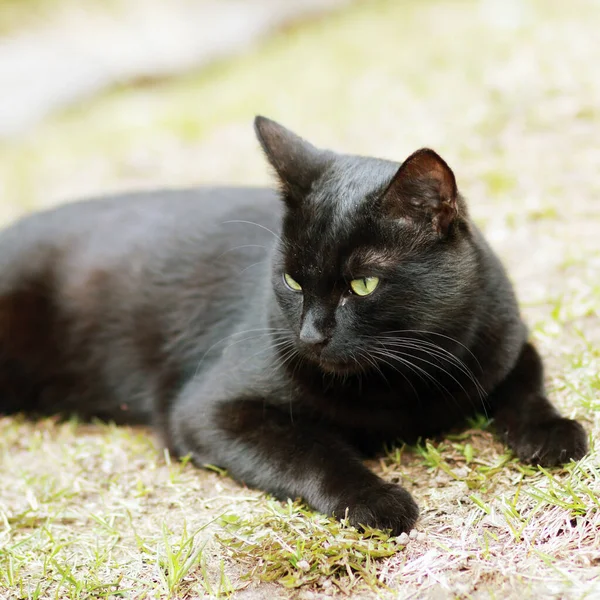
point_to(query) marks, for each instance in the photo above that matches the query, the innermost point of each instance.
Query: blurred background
(104, 95)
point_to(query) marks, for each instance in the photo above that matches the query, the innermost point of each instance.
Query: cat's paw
(552, 443)
(386, 507)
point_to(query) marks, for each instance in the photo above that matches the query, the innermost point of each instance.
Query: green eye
(292, 283)
(364, 286)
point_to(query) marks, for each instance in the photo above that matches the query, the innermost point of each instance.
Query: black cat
(281, 336)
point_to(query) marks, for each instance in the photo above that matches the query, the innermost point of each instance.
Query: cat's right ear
(297, 162)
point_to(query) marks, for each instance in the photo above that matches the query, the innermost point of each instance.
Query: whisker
(440, 352)
(289, 356)
(431, 364)
(268, 347)
(436, 351)
(441, 369)
(447, 337)
(383, 358)
(260, 262)
(442, 388)
(374, 364)
(481, 392)
(264, 330)
(240, 247)
(257, 225)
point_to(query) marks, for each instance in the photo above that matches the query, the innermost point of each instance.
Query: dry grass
(98, 511)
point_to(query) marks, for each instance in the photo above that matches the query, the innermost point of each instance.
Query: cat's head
(368, 247)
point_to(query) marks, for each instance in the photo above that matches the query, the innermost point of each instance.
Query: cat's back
(90, 292)
(130, 219)
(129, 231)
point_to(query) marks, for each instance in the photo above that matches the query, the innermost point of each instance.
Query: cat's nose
(311, 335)
(313, 338)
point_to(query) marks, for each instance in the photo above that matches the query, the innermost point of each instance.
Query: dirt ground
(509, 94)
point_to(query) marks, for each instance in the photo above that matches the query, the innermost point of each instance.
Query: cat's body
(182, 309)
(116, 296)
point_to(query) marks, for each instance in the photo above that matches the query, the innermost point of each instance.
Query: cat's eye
(292, 283)
(364, 285)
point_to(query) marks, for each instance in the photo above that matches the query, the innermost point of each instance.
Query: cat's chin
(338, 367)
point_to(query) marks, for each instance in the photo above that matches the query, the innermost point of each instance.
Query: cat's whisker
(374, 364)
(447, 337)
(289, 356)
(482, 394)
(270, 346)
(260, 262)
(407, 356)
(257, 225)
(240, 247)
(397, 354)
(383, 358)
(360, 371)
(442, 388)
(421, 373)
(264, 331)
(428, 345)
(435, 351)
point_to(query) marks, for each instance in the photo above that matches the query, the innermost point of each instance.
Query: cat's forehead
(351, 181)
(334, 253)
(337, 228)
(345, 194)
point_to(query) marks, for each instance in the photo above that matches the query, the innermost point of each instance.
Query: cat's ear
(424, 187)
(297, 162)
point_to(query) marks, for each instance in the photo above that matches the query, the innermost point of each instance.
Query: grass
(295, 547)
(93, 511)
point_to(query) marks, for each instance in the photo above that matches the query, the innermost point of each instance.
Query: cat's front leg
(528, 422)
(289, 456)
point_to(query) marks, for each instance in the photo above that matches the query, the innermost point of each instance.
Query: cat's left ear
(424, 187)
(297, 162)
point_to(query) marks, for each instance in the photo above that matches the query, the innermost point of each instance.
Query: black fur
(171, 307)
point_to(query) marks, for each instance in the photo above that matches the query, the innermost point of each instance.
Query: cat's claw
(386, 507)
(552, 443)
